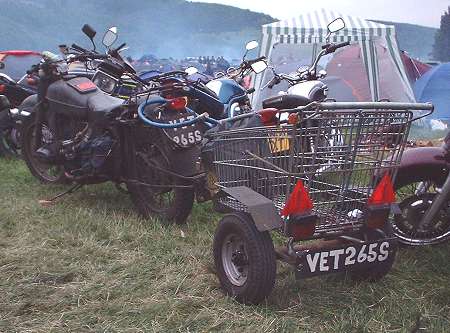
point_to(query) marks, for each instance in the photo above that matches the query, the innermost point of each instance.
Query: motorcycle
(304, 85)
(13, 94)
(229, 86)
(186, 129)
(183, 131)
(74, 131)
(423, 191)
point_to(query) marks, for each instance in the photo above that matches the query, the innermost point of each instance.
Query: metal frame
(338, 150)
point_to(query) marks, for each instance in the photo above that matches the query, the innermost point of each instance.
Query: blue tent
(434, 86)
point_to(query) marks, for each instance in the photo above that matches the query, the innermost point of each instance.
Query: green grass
(88, 263)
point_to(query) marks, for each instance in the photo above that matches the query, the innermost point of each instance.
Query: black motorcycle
(12, 94)
(77, 133)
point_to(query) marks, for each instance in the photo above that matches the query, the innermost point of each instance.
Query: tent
(375, 71)
(414, 68)
(17, 62)
(434, 86)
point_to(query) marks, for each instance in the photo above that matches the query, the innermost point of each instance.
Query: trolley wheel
(244, 258)
(377, 270)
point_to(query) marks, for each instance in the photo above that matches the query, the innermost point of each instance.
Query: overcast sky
(423, 12)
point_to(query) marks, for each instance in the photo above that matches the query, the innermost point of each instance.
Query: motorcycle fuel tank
(225, 89)
(313, 90)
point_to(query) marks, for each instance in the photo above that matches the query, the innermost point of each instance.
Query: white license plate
(344, 259)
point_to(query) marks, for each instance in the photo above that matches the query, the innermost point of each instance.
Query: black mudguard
(184, 161)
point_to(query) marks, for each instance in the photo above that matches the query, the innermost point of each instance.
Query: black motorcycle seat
(103, 103)
(285, 102)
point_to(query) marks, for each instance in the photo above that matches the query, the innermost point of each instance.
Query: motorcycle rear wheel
(168, 204)
(46, 173)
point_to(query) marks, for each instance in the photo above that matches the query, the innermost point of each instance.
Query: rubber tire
(380, 269)
(5, 150)
(431, 174)
(26, 136)
(177, 213)
(261, 254)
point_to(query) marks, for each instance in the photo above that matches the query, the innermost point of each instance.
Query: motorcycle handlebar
(334, 47)
(79, 48)
(274, 82)
(256, 60)
(119, 47)
(89, 56)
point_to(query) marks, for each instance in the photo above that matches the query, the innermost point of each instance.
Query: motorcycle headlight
(105, 82)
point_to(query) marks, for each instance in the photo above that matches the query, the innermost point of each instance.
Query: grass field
(89, 263)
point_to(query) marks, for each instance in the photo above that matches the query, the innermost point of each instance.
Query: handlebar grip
(342, 45)
(334, 47)
(120, 46)
(78, 48)
(273, 83)
(256, 60)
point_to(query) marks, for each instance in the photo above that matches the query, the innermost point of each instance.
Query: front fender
(27, 107)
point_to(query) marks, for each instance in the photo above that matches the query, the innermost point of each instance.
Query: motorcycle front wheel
(415, 196)
(157, 194)
(9, 136)
(46, 173)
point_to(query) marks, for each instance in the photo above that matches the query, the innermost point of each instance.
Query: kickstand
(52, 200)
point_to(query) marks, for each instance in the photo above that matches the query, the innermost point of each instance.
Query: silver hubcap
(235, 260)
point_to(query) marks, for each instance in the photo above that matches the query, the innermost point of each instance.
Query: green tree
(441, 47)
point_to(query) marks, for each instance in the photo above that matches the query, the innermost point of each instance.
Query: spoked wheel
(169, 203)
(244, 258)
(46, 173)
(9, 136)
(416, 198)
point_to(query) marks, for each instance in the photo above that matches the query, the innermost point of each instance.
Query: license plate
(279, 144)
(351, 257)
(187, 135)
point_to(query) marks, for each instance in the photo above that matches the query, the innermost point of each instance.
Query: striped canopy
(311, 29)
(315, 25)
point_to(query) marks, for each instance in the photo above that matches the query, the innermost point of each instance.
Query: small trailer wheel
(244, 258)
(377, 270)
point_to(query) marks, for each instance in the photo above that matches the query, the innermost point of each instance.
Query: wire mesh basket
(338, 155)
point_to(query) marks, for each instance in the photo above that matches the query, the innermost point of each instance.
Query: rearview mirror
(110, 37)
(259, 66)
(191, 70)
(89, 31)
(336, 25)
(251, 45)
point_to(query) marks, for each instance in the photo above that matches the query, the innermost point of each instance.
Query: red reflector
(383, 193)
(178, 103)
(85, 86)
(268, 116)
(302, 229)
(298, 202)
(2, 88)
